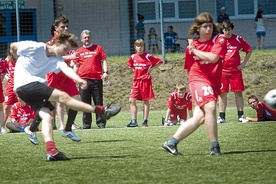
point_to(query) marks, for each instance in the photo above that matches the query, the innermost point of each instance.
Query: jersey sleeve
(219, 47)
(245, 46)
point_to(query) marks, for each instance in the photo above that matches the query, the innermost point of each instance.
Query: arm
(14, 48)
(252, 119)
(167, 115)
(69, 72)
(246, 59)
(105, 69)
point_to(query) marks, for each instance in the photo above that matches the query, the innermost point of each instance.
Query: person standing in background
(140, 27)
(222, 16)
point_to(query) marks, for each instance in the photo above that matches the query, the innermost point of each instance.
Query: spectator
(264, 113)
(35, 60)
(170, 38)
(260, 29)
(140, 27)
(203, 62)
(179, 102)
(21, 117)
(232, 71)
(153, 41)
(222, 16)
(142, 64)
(91, 65)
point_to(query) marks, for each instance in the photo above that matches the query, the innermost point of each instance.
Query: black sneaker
(170, 149)
(57, 157)
(145, 123)
(131, 124)
(111, 111)
(85, 126)
(163, 120)
(215, 150)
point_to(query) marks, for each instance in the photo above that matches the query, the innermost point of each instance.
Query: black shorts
(36, 95)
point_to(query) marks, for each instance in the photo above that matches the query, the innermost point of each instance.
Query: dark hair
(252, 97)
(140, 17)
(53, 29)
(62, 19)
(227, 25)
(259, 15)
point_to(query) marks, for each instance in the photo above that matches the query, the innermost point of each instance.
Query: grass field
(132, 155)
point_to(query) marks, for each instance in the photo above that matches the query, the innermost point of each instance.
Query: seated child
(179, 102)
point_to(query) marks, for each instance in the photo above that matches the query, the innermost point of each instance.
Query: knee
(64, 97)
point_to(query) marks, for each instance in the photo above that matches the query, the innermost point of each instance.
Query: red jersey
(202, 70)
(232, 59)
(180, 104)
(90, 62)
(22, 114)
(8, 67)
(141, 64)
(264, 113)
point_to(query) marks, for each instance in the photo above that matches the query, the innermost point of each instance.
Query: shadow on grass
(249, 151)
(105, 156)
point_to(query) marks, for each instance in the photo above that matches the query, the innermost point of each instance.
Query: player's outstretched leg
(111, 111)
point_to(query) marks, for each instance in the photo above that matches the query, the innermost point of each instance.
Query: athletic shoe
(181, 121)
(215, 150)
(242, 119)
(71, 135)
(170, 149)
(163, 120)
(74, 127)
(145, 123)
(3, 130)
(170, 123)
(131, 124)
(221, 120)
(61, 128)
(32, 136)
(57, 157)
(111, 111)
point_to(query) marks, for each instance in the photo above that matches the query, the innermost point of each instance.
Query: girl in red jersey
(264, 113)
(203, 61)
(179, 102)
(142, 64)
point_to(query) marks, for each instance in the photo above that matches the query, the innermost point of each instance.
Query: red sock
(51, 148)
(99, 110)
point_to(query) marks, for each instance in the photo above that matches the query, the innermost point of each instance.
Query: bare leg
(239, 101)
(7, 111)
(133, 108)
(222, 102)
(60, 114)
(146, 109)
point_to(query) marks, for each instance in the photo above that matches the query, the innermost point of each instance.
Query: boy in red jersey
(179, 102)
(22, 115)
(203, 61)
(264, 113)
(142, 64)
(91, 65)
(232, 71)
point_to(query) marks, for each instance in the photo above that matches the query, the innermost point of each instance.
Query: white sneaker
(221, 120)
(242, 119)
(3, 130)
(71, 135)
(74, 127)
(32, 136)
(61, 128)
(181, 121)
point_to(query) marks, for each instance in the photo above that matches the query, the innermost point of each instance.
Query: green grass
(132, 155)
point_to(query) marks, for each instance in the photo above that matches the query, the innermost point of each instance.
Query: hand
(191, 45)
(105, 76)
(83, 84)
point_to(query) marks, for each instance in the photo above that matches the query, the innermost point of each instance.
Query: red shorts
(142, 90)
(203, 92)
(63, 83)
(181, 113)
(234, 79)
(10, 96)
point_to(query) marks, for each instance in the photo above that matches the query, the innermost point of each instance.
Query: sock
(35, 123)
(51, 148)
(214, 143)
(99, 110)
(134, 121)
(240, 113)
(70, 120)
(173, 141)
(222, 115)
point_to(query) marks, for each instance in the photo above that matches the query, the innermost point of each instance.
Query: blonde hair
(66, 37)
(180, 86)
(140, 42)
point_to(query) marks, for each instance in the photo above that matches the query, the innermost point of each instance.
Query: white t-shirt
(33, 64)
(260, 25)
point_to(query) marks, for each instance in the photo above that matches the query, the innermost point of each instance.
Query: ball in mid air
(270, 98)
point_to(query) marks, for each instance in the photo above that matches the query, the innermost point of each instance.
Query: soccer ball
(270, 98)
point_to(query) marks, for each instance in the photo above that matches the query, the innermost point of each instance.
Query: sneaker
(74, 127)
(169, 123)
(145, 123)
(242, 119)
(215, 150)
(57, 157)
(111, 111)
(61, 128)
(221, 120)
(3, 130)
(163, 120)
(32, 136)
(131, 124)
(71, 135)
(181, 121)
(170, 149)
